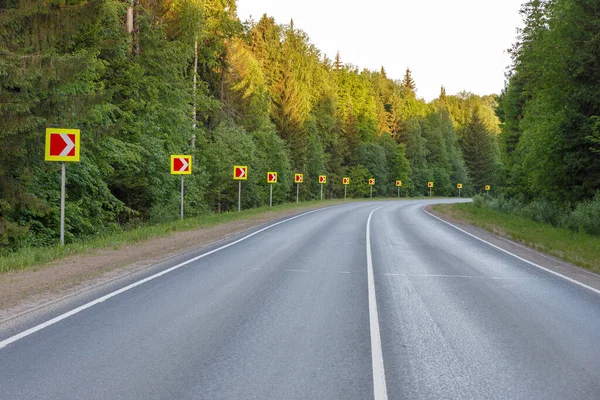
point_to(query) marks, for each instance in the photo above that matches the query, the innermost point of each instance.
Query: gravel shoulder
(26, 290)
(552, 263)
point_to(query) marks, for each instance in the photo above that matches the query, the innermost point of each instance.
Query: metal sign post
(62, 204)
(322, 181)
(398, 191)
(459, 193)
(182, 197)
(371, 191)
(429, 192)
(239, 196)
(62, 145)
(271, 179)
(298, 178)
(345, 182)
(240, 173)
(181, 165)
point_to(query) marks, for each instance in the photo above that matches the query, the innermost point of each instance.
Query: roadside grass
(35, 257)
(577, 248)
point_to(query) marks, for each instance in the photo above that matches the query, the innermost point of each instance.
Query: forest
(146, 79)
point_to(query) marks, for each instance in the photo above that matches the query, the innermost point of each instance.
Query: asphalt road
(311, 309)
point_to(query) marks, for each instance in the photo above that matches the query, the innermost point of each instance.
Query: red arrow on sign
(62, 145)
(181, 164)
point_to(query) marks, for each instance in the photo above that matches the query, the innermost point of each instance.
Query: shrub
(585, 217)
(479, 201)
(542, 211)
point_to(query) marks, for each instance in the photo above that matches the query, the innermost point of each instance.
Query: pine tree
(408, 84)
(338, 64)
(478, 153)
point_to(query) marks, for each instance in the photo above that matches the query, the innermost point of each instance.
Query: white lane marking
(379, 383)
(99, 300)
(583, 285)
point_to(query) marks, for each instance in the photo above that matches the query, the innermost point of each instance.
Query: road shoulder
(552, 263)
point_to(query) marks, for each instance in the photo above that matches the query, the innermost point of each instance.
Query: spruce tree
(478, 152)
(408, 84)
(338, 64)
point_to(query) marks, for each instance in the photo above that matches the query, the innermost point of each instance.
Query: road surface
(362, 301)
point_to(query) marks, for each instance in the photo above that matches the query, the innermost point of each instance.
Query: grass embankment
(31, 257)
(574, 247)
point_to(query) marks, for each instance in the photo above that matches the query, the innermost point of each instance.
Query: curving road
(360, 301)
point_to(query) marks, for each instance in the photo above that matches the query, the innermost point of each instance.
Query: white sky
(460, 44)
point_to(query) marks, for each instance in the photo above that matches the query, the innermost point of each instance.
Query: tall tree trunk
(195, 89)
(133, 26)
(195, 80)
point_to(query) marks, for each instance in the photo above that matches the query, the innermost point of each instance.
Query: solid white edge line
(583, 285)
(379, 383)
(99, 300)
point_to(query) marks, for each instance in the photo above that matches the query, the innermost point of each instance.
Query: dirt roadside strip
(544, 260)
(30, 289)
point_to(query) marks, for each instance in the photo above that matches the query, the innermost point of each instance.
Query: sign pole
(182, 197)
(345, 187)
(459, 193)
(62, 204)
(239, 195)
(398, 191)
(429, 192)
(297, 192)
(321, 192)
(371, 191)
(271, 196)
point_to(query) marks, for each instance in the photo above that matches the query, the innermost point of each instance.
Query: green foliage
(585, 217)
(359, 182)
(190, 78)
(478, 149)
(551, 104)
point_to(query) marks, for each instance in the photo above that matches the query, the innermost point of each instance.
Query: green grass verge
(574, 247)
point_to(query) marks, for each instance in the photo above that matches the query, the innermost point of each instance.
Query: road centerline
(379, 382)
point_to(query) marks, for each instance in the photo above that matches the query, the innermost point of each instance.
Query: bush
(542, 211)
(479, 201)
(585, 217)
